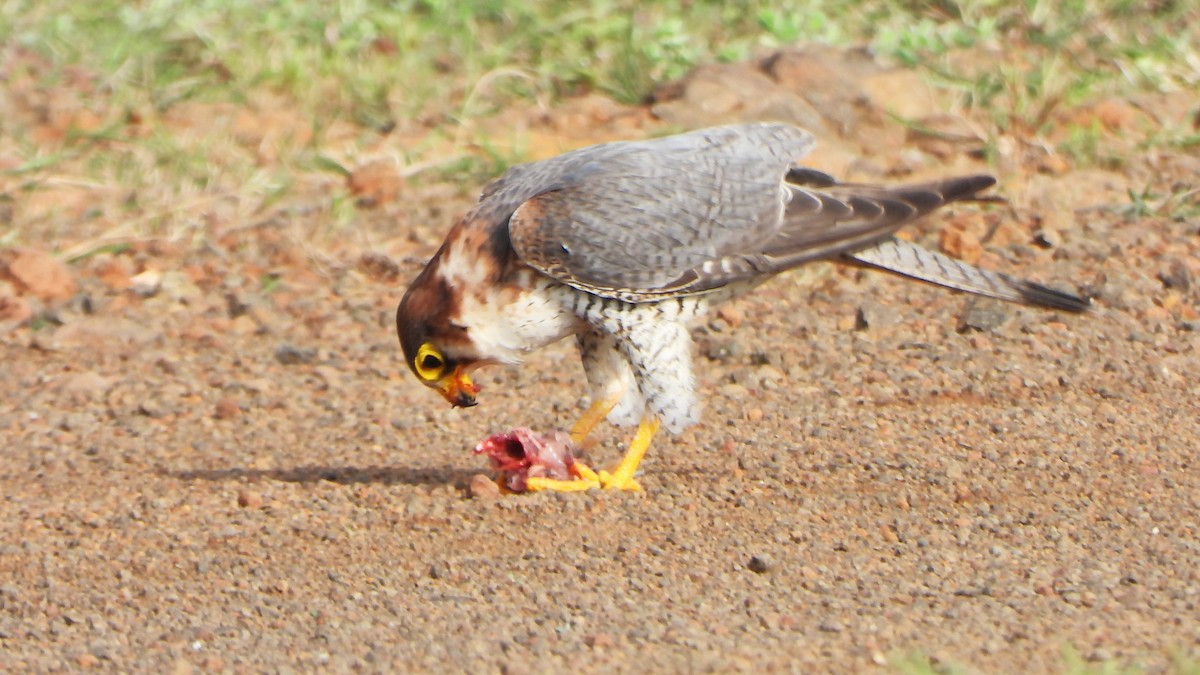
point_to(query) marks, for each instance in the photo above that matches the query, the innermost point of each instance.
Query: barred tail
(910, 260)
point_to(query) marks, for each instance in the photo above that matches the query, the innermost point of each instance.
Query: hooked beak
(458, 389)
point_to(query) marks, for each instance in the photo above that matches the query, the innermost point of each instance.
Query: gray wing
(909, 260)
(692, 213)
(632, 219)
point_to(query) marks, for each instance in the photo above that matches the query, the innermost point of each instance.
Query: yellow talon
(584, 472)
(621, 478)
(585, 479)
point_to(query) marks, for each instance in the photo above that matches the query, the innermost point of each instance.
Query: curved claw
(621, 478)
(586, 480)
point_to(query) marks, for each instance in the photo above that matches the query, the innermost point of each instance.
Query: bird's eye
(429, 363)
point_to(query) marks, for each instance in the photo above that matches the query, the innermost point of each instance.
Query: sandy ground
(205, 472)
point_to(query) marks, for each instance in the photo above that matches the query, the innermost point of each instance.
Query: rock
(249, 499)
(732, 92)
(724, 350)
(731, 315)
(826, 83)
(37, 273)
(482, 487)
(1176, 276)
(1047, 238)
(290, 355)
(146, 283)
(152, 408)
(113, 272)
(600, 641)
(961, 244)
(375, 183)
(227, 408)
(760, 564)
(984, 315)
(876, 315)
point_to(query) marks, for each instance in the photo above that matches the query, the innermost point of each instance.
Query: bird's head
(438, 351)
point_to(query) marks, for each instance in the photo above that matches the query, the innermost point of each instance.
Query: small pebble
(249, 499)
(600, 641)
(290, 355)
(760, 564)
(147, 283)
(984, 316)
(731, 315)
(483, 487)
(1047, 238)
(227, 408)
(1177, 276)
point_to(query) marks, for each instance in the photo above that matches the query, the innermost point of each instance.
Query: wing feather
(692, 213)
(634, 218)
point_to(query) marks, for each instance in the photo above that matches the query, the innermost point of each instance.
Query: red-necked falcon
(621, 244)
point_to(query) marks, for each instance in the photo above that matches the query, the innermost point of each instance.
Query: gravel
(193, 481)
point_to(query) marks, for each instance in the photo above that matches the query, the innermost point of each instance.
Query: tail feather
(914, 262)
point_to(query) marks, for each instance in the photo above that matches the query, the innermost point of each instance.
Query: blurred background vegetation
(94, 92)
(381, 60)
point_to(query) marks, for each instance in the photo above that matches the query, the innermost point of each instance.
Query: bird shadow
(344, 475)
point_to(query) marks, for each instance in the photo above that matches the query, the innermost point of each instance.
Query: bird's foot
(585, 479)
(621, 478)
(614, 481)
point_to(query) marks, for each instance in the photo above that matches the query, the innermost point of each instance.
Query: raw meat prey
(522, 454)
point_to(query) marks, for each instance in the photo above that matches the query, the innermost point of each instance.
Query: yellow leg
(596, 412)
(585, 479)
(621, 477)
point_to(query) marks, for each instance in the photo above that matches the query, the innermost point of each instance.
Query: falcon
(622, 244)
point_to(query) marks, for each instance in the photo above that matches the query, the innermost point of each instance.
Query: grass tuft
(164, 116)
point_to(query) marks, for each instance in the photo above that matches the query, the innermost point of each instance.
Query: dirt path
(221, 474)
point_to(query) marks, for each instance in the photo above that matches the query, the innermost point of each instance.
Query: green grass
(1073, 663)
(383, 60)
(427, 69)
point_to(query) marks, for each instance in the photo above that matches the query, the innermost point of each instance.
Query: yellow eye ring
(429, 363)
